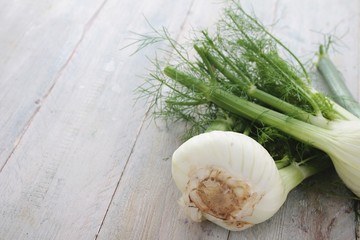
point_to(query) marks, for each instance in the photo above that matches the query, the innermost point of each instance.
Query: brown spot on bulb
(221, 196)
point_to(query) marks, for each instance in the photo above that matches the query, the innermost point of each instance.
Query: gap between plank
(57, 77)
(18, 140)
(87, 26)
(123, 171)
(146, 115)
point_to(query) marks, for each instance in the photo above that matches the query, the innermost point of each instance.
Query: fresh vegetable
(231, 180)
(246, 74)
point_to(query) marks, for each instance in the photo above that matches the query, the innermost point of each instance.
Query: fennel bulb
(342, 143)
(231, 180)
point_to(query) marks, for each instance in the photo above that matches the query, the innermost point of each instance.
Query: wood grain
(80, 160)
(37, 43)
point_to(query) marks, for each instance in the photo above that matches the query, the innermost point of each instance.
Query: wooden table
(80, 160)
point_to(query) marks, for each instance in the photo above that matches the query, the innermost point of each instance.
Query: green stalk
(295, 173)
(264, 97)
(300, 130)
(284, 162)
(261, 55)
(342, 113)
(242, 82)
(273, 37)
(226, 60)
(209, 67)
(336, 83)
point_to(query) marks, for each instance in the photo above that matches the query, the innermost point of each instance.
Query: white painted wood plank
(148, 203)
(60, 179)
(36, 41)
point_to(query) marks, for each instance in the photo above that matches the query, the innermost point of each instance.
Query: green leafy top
(242, 58)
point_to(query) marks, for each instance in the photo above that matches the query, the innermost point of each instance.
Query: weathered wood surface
(80, 160)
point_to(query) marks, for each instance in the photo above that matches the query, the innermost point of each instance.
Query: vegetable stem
(295, 173)
(265, 97)
(262, 56)
(336, 83)
(274, 38)
(284, 162)
(301, 130)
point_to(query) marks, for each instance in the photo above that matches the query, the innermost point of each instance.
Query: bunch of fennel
(226, 177)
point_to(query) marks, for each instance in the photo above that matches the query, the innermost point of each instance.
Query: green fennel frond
(241, 58)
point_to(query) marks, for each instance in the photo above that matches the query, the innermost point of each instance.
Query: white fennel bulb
(229, 179)
(342, 144)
